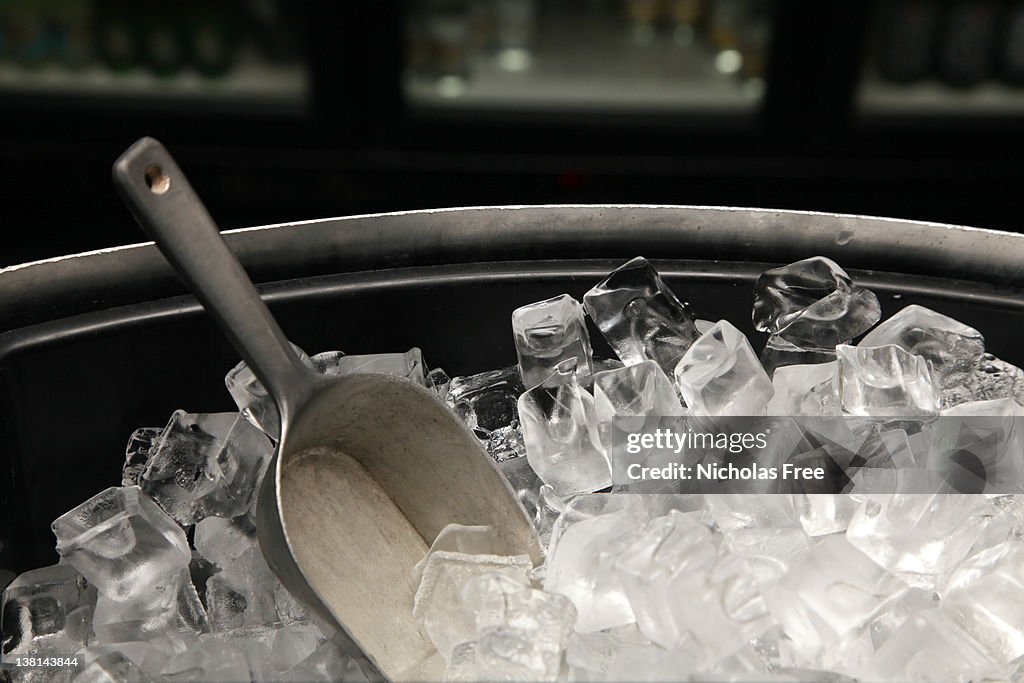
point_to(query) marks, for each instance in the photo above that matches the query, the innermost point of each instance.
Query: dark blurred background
(282, 110)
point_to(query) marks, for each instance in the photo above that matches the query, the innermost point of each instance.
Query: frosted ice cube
(506, 443)
(581, 567)
(742, 511)
(252, 399)
(640, 316)
(562, 443)
(930, 646)
(465, 540)
(951, 348)
(46, 611)
(113, 667)
(805, 390)
(206, 465)
(636, 390)
(884, 381)
(779, 353)
(487, 401)
(720, 375)
(122, 542)
(770, 552)
(137, 453)
(918, 537)
(408, 365)
(521, 634)
(833, 591)
(813, 304)
(169, 612)
(447, 617)
(548, 334)
(597, 652)
(993, 378)
(462, 667)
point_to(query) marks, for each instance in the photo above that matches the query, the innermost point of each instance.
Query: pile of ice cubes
(162, 579)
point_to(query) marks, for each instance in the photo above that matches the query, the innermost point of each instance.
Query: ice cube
(548, 334)
(169, 612)
(291, 645)
(46, 611)
(743, 511)
(825, 513)
(506, 443)
(636, 390)
(408, 365)
(438, 380)
(562, 443)
(446, 617)
(325, 665)
(114, 667)
(918, 537)
(550, 506)
(804, 390)
(951, 348)
(252, 399)
(640, 316)
(993, 378)
(770, 552)
(462, 667)
(222, 541)
(930, 646)
(206, 465)
(598, 652)
(487, 401)
(137, 453)
(833, 591)
(146, 656)
(720, 375)
(465, 540)
(813, 304)
(208, 661)
(521, 634)
(524, 481)
(247, 593)
(122, 542)
(884, 381)
(990, 607)
(779, 353)
(581, 567)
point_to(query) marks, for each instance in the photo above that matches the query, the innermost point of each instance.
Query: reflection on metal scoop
(369, 468)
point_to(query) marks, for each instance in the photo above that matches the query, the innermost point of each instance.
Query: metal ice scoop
(368, 469)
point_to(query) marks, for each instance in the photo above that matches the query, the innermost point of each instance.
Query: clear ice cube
(122, 542)
(438, 380)
(951, 348)
(779, 353)
(208, 661)
(464, 540)
(447, 618)
(521, 634)
(114, 667)
(222, 541)
(640, 316)
(408, 365)
(825, 513)
(633, 391)
(813, 304)
(487, 401)
(206, 465)
(252, 399)
(46, 611)
(804, 390)
(918, 537)
(325, 665)
(884, 381)
(720, 375)
(562, 441)
(581, 567)
(169, 613)
(247, 593)
(524, 481)
(137, 453)
(548, 334)
(833, 591)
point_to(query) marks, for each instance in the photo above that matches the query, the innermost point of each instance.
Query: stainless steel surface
(452, 236)
(368, 469)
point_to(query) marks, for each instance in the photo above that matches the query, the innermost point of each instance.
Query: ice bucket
(95, 345)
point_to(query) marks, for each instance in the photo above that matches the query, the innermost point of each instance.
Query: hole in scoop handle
(169, 211)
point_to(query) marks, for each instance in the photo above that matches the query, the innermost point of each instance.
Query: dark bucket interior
(72, 390)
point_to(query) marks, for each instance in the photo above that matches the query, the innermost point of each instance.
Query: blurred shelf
(247, 83)
(661, 76)
(932, 98)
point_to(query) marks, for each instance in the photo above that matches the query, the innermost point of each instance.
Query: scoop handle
(169, 211)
